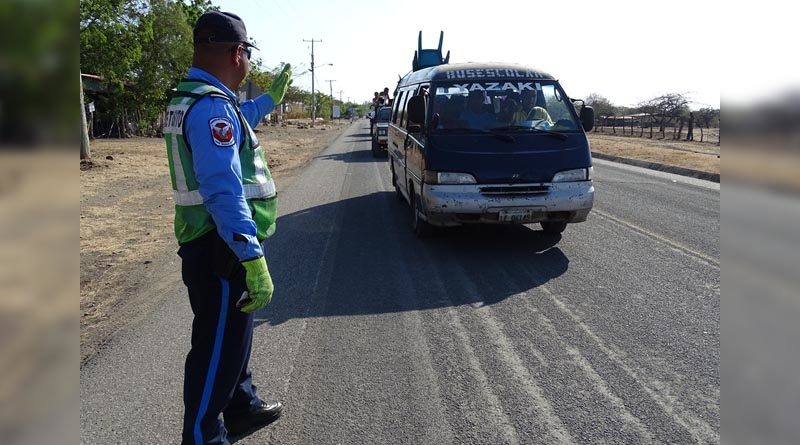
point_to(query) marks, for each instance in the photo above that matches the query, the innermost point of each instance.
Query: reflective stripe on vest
(251, 191)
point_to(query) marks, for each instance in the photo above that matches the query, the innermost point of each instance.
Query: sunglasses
(247, 50)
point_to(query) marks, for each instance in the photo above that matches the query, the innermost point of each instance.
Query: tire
(553, 227)
(376, 149)
(397, 193)
(420, 227)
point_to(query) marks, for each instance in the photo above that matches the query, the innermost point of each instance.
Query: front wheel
(421, 227)
(553, 227)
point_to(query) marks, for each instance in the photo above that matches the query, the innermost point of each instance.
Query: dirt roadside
(128, 251)
(127, 246)
(700, 156)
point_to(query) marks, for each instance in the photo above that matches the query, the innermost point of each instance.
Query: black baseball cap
(220, 27)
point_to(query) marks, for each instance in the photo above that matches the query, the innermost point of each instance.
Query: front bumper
(448, 205)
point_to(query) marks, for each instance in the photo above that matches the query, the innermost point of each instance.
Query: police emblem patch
(222, 132)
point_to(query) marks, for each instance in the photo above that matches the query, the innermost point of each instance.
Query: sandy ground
(126, 241)
(695, 155)
(127, 246)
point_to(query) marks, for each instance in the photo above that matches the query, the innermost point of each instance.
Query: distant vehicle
(380, 137)
(463, 150)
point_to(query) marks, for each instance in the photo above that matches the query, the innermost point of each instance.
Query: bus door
(414, 142)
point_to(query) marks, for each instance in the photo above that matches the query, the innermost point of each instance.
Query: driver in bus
(530, 111)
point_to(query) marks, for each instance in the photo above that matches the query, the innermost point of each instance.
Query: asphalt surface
(610, 334)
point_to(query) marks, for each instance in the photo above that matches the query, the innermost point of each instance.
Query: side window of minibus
(404, 107)
(397, 101)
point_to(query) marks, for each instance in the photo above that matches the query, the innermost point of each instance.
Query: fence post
(86, 151)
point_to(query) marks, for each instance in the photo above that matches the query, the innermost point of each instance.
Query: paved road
(482, 335)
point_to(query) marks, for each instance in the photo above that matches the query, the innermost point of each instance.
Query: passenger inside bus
(451, 112)
(509, 106)
(477, 114)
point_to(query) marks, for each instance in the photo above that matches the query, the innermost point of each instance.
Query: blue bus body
(496, 143)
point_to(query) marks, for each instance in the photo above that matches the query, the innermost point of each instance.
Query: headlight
(579, 174)
(432, 177)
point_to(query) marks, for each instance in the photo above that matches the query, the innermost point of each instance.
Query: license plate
(516, 215)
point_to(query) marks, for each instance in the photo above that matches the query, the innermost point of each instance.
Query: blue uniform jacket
(217, 167)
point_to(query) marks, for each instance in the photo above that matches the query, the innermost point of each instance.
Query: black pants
(217, 378)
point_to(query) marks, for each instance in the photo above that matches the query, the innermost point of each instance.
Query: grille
(515, 190)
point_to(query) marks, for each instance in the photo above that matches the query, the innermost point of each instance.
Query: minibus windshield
(511, 106)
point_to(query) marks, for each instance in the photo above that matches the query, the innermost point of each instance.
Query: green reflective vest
(192, 220)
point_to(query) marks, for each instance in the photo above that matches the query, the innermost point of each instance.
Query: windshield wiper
(501, 136)
(561, 136)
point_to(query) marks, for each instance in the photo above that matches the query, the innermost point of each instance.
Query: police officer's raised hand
(280, 84)
(259, 285)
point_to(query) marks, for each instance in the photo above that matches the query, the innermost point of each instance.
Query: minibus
(480, 143)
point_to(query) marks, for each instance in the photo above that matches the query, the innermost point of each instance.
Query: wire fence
(631, 127)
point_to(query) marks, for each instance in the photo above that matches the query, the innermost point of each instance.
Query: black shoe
(254, 420)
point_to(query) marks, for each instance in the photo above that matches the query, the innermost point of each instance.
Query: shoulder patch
(222, 131)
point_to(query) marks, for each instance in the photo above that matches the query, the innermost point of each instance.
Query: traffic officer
(224, 209)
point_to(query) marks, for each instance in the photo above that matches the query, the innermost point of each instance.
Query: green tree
(111, 48)
(195, 8)
(141, 48)
(166, 42)
(110, 44)
(261, 76)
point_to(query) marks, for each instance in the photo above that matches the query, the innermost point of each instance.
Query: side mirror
(416, 111)
(587, 118)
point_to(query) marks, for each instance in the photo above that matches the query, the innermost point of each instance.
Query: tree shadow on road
(358, 257)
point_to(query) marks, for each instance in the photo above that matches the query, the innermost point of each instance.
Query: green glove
(259, 285)
(280, 84)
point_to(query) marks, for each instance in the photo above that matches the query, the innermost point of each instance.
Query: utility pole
(330, 82)
(313, 94)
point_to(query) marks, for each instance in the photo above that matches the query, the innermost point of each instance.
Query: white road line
(656, 237)
(512, 361)
(631, 421)
(700, 430)
(495, 406)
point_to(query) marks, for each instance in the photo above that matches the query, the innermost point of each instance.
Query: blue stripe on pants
(212, 367)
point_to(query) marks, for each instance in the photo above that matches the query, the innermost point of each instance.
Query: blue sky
(628, 51)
